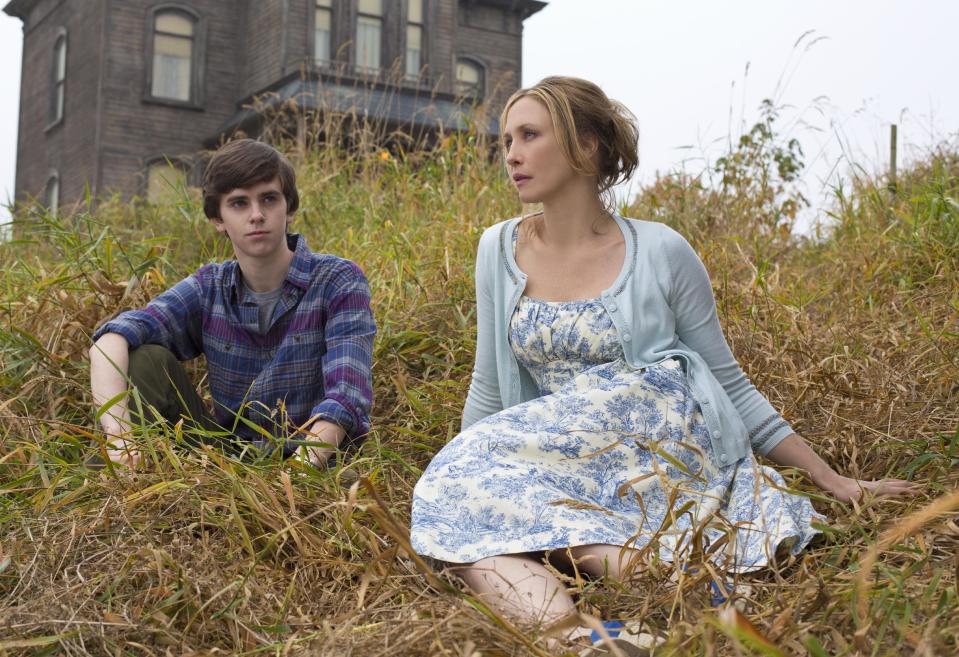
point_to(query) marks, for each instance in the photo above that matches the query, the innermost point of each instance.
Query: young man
(287, 333)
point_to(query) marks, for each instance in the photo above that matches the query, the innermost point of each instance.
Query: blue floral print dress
(608, 454)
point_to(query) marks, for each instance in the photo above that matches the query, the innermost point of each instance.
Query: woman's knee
(604, 560)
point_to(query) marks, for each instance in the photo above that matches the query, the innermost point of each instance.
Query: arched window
(174, 55)
(58, 79)
(469, 78)
(165, 180)
(414, 38)
(323, 31)
(369, 34)
(51, 193)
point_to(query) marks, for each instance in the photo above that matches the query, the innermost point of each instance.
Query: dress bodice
(557, 340)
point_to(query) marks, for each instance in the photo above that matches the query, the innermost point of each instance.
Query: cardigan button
(723, 457)
(613, 307)
(627, 337)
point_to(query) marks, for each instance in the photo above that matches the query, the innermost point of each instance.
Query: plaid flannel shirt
(313, 362)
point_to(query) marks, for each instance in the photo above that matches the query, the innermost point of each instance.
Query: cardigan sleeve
(697, 325)
(483, 398)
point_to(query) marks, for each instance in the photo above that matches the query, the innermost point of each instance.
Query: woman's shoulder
(498, 233)
(656, 235)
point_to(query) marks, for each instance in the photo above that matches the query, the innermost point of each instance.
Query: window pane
(469, 79)
(322, 37)
(368, 42)
(374, 7)
(467, 73)
(171, 67)
(414, 49)
(415, 13)
(163, 182)
(60, 59)
(52, 195)
(58, 102)
(174, 23)
(324, 3)
(173, 46)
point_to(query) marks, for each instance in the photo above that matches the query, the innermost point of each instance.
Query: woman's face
(534, 160)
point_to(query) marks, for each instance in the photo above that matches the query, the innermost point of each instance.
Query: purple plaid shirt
(313, 363)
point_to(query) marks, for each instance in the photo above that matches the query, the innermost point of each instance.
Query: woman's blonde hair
(580, 109)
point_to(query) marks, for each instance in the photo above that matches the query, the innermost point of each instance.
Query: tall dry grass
(854, 337)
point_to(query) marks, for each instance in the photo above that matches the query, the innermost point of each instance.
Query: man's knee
(148, 360)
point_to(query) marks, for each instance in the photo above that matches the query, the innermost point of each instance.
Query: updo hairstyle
(580, 109)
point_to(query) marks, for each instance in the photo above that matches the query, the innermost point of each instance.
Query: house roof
(525, 7)
(18, 8)
(400, 106)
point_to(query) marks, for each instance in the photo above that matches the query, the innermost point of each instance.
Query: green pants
(162, 383)
(167, 394)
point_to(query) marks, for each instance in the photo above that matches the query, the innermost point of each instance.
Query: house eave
(18, 9)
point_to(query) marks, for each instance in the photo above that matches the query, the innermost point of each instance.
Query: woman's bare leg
(601, 560)
(520, 586)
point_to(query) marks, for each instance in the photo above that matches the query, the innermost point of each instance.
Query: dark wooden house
(122, 95)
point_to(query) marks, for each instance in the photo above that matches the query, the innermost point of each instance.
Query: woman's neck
(572, 217)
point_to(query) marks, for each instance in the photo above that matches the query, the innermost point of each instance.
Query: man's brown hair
(244, 163)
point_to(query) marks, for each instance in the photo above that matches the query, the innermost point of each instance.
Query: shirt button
(613, 307)
(627, 337)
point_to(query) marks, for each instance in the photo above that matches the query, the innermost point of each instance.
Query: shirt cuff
(130, 334)
(335, 412)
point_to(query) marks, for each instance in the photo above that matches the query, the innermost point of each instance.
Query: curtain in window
(323, 31)
(172, 56)
(368, 30)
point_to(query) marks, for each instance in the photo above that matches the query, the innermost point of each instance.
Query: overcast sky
(695, 71)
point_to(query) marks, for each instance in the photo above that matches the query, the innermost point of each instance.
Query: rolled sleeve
(173, 320)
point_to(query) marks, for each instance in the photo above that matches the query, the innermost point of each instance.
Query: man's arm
(346, 365)
(109, 362)
(172, 320)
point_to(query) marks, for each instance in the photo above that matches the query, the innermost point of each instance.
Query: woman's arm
(697, 325)
(795, 452)
(483, 398)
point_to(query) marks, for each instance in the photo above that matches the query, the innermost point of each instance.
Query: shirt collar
(300, 272)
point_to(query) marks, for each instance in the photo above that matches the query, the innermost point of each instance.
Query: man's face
(255, 219)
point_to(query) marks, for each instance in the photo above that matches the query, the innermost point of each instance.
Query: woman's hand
(847, 489)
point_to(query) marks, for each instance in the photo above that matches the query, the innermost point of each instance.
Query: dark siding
(136, 129)
(68, 146)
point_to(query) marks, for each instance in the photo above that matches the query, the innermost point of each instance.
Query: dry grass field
(855, 336)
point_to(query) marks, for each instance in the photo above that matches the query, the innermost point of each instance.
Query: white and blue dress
(608, 454)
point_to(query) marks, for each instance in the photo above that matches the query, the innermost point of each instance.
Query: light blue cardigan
(662, 306)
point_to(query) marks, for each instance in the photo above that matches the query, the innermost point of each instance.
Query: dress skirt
(615, 456)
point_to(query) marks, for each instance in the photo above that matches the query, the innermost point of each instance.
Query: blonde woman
(604, 398)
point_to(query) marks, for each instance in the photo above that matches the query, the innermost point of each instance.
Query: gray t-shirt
(265, 302)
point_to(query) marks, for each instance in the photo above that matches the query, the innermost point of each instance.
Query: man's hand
(120, 449)
(324, 432)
